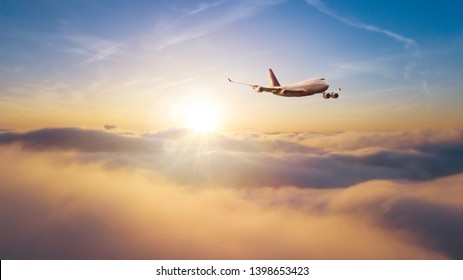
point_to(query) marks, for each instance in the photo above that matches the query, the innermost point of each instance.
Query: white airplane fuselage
(305, 88)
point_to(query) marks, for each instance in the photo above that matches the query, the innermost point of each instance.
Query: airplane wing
(275, 90)
(258, 88)
(231, 81)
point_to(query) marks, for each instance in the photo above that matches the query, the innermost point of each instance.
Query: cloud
(305, 160)
(203, 6)
(431, 210)
(171, 32)
(82, 140)
(93, 49)
(110, 126)
(440, 226)
(89, 194)
(320, 5)
(50, 209)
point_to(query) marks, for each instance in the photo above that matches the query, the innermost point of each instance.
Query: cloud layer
(297, 159)
(174, 194)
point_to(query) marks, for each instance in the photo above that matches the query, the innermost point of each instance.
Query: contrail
(319, 5)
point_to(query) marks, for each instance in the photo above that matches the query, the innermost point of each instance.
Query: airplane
(305, 88)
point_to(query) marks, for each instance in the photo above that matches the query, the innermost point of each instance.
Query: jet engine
(327, 95)
(335, 95)
(283, 92)
(258, 88)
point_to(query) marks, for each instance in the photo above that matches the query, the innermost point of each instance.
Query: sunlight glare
(202, 116)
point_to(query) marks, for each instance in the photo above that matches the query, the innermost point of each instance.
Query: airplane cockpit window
(322, 79)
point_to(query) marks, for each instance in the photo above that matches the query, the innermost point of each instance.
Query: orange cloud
(54, 207)
(249, 159)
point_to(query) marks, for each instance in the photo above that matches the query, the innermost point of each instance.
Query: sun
(202, 116)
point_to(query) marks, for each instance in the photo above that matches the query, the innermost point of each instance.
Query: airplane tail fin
(273, 80)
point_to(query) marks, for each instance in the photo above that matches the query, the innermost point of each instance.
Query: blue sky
(128, 63)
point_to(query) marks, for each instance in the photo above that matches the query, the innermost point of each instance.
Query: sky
(140, 65)
(128, 141)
